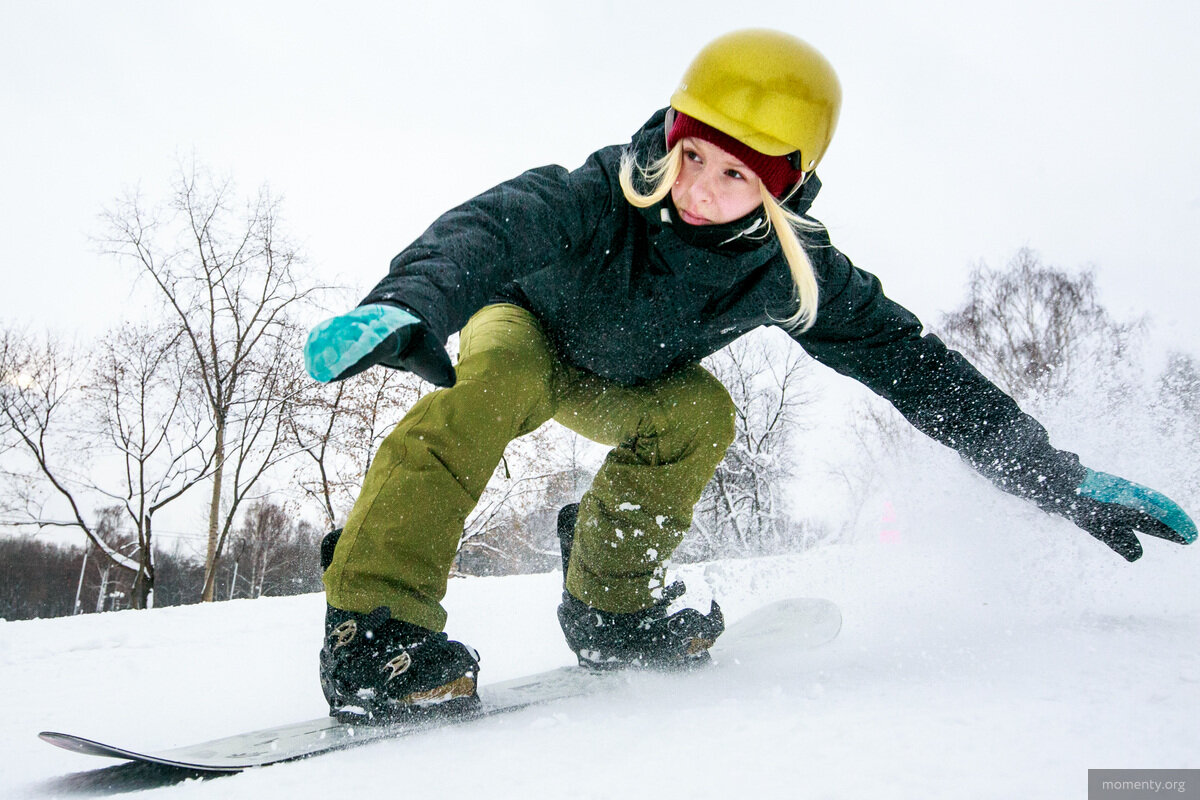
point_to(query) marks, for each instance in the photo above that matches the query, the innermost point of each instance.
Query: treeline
(270, 556)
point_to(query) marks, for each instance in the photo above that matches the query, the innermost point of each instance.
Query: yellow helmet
(769, 90)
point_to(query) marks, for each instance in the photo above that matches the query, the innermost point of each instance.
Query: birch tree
(260, 542)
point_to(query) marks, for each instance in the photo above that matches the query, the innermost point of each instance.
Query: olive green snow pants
(668, 437)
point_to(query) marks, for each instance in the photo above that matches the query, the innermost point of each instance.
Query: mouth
(692, 219)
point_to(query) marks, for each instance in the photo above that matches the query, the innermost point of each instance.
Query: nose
(702, 190)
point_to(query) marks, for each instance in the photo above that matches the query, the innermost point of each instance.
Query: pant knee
(505, 361)
(698, 421)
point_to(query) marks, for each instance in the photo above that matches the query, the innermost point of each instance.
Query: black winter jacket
(620, 294)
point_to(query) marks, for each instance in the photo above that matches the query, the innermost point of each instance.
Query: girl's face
(713, 187)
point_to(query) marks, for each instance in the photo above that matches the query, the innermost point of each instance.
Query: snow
(988, 651)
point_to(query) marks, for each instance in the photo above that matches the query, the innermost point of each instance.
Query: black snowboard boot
(651, 638)
(375, 668)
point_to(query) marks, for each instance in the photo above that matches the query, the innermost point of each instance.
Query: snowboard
(794, 622)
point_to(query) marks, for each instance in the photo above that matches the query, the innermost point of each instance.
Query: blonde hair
(660, 175)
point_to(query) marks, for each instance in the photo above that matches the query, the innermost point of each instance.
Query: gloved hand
(1112, 508)
(377, 333)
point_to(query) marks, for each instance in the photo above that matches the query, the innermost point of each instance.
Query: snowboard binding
(378, 669)
(653, 638)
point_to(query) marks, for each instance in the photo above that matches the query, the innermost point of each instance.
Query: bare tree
(144, 403)
(338, 429)
(229, 283)
(743, 509)
(259, 440)
(115, 424)
(12, 354)
(1032, 328)
(41, 384)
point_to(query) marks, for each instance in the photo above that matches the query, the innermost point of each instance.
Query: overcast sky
(968, 131)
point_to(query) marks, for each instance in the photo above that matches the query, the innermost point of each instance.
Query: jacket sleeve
(460, 262)
(861, 333)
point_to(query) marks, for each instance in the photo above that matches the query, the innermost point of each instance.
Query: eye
(735, 174)
(691, 155)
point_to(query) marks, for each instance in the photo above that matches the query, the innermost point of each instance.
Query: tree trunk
(214, 518)
(143, 586)
(103, 590)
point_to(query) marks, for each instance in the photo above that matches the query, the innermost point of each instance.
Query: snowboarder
(589, 297)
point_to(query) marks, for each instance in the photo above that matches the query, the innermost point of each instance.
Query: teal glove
(1112, 508)
(377, 333)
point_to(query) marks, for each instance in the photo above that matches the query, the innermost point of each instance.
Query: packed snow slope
(988, 651)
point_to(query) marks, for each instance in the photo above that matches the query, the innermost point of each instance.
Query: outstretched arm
(863, 334)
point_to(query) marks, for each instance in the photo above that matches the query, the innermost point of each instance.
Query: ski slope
(988, 651)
